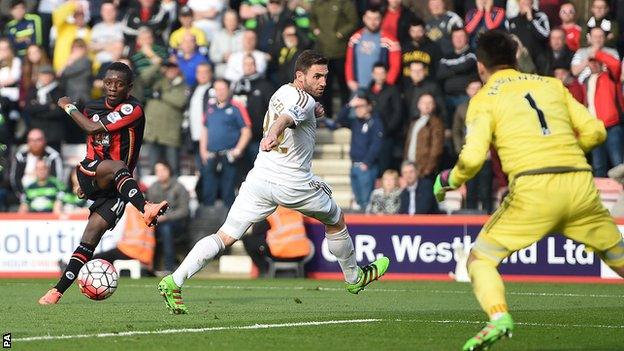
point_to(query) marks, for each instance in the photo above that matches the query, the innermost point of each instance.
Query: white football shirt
(290, 162)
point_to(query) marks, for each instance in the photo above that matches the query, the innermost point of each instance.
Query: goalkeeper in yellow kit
(541, 134)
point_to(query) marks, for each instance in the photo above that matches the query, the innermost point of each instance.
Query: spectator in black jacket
(255, 92)
(557, 55)
(42, 109)
(441, 25)
(26, 157)
(456, 70)
(284, 56)
(388, 106)
(531, 27)
(157, 21)
(270, 25)
(419, 48)
(417, 85)
(416, 197)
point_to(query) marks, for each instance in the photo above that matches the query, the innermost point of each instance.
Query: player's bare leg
(96, 226)
(490, 292)
(341, 246)
(111, 173)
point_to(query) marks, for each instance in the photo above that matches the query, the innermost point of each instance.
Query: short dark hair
(417, 21)
(568, 3)
(380, 64)
(17, 2)
(374, 8)
(496, 48)
(364, 95)
(309, 58)
(123, 68)
(458, 29)
(227, 82)
(166, 165)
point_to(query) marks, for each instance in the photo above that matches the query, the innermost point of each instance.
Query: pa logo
(6, 341)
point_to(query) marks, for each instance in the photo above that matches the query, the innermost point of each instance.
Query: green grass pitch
(310, 315)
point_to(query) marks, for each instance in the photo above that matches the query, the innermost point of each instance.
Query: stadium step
(338, 136)
(324, 168)
(338, 182)
(331, 151)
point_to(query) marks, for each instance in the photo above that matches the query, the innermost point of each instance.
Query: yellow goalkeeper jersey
(532, 121)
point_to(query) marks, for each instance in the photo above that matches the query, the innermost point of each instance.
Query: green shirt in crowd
(41, 197)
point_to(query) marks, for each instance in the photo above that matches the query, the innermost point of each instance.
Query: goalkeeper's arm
(473, 155)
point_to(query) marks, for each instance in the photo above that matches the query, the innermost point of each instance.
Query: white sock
(497, 315)
(203, 251)
(341, 246)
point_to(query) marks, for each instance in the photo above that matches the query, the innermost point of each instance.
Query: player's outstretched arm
(83, 122)
(479, 129)
(271, 140)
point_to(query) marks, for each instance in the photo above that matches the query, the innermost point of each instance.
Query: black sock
(128, 189)
(82, 255)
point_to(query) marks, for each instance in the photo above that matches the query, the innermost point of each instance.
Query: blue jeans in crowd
(165, 234)
(609, 152)
(363, 183)
(219, 176)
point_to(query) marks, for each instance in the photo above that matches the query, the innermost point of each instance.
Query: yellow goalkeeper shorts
(541, 204)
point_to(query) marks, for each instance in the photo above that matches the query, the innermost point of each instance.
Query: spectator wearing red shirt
(562, 72)
(567, 14)
(599, 67)
(396, 20)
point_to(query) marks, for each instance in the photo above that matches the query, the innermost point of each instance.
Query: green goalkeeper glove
(442, 185)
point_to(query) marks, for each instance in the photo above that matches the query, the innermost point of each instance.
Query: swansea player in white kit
(282, 176)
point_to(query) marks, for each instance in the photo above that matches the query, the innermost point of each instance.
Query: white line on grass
(196, 330)
(528, 324)
(235, 287)
(301, 324)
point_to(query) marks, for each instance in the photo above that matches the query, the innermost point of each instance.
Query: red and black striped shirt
(124, 126)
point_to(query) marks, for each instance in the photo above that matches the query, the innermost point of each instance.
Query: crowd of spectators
(401, 76)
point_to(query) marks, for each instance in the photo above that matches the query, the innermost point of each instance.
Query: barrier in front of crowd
(425, 247)
(32, 244)
(419, 247)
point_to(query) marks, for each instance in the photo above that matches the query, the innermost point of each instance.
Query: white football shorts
(257, 199)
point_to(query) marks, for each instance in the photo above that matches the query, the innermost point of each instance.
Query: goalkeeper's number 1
(540, 114)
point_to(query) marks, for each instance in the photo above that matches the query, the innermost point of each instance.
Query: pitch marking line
(300, 324)
(528, 324)
(196, 330)
(235, 287)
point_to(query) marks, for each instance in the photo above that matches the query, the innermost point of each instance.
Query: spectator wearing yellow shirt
(186, 21)
(70, 21)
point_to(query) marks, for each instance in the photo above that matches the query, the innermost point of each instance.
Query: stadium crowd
(401, 75)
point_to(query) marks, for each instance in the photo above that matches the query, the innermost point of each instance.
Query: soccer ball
(97, 279)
